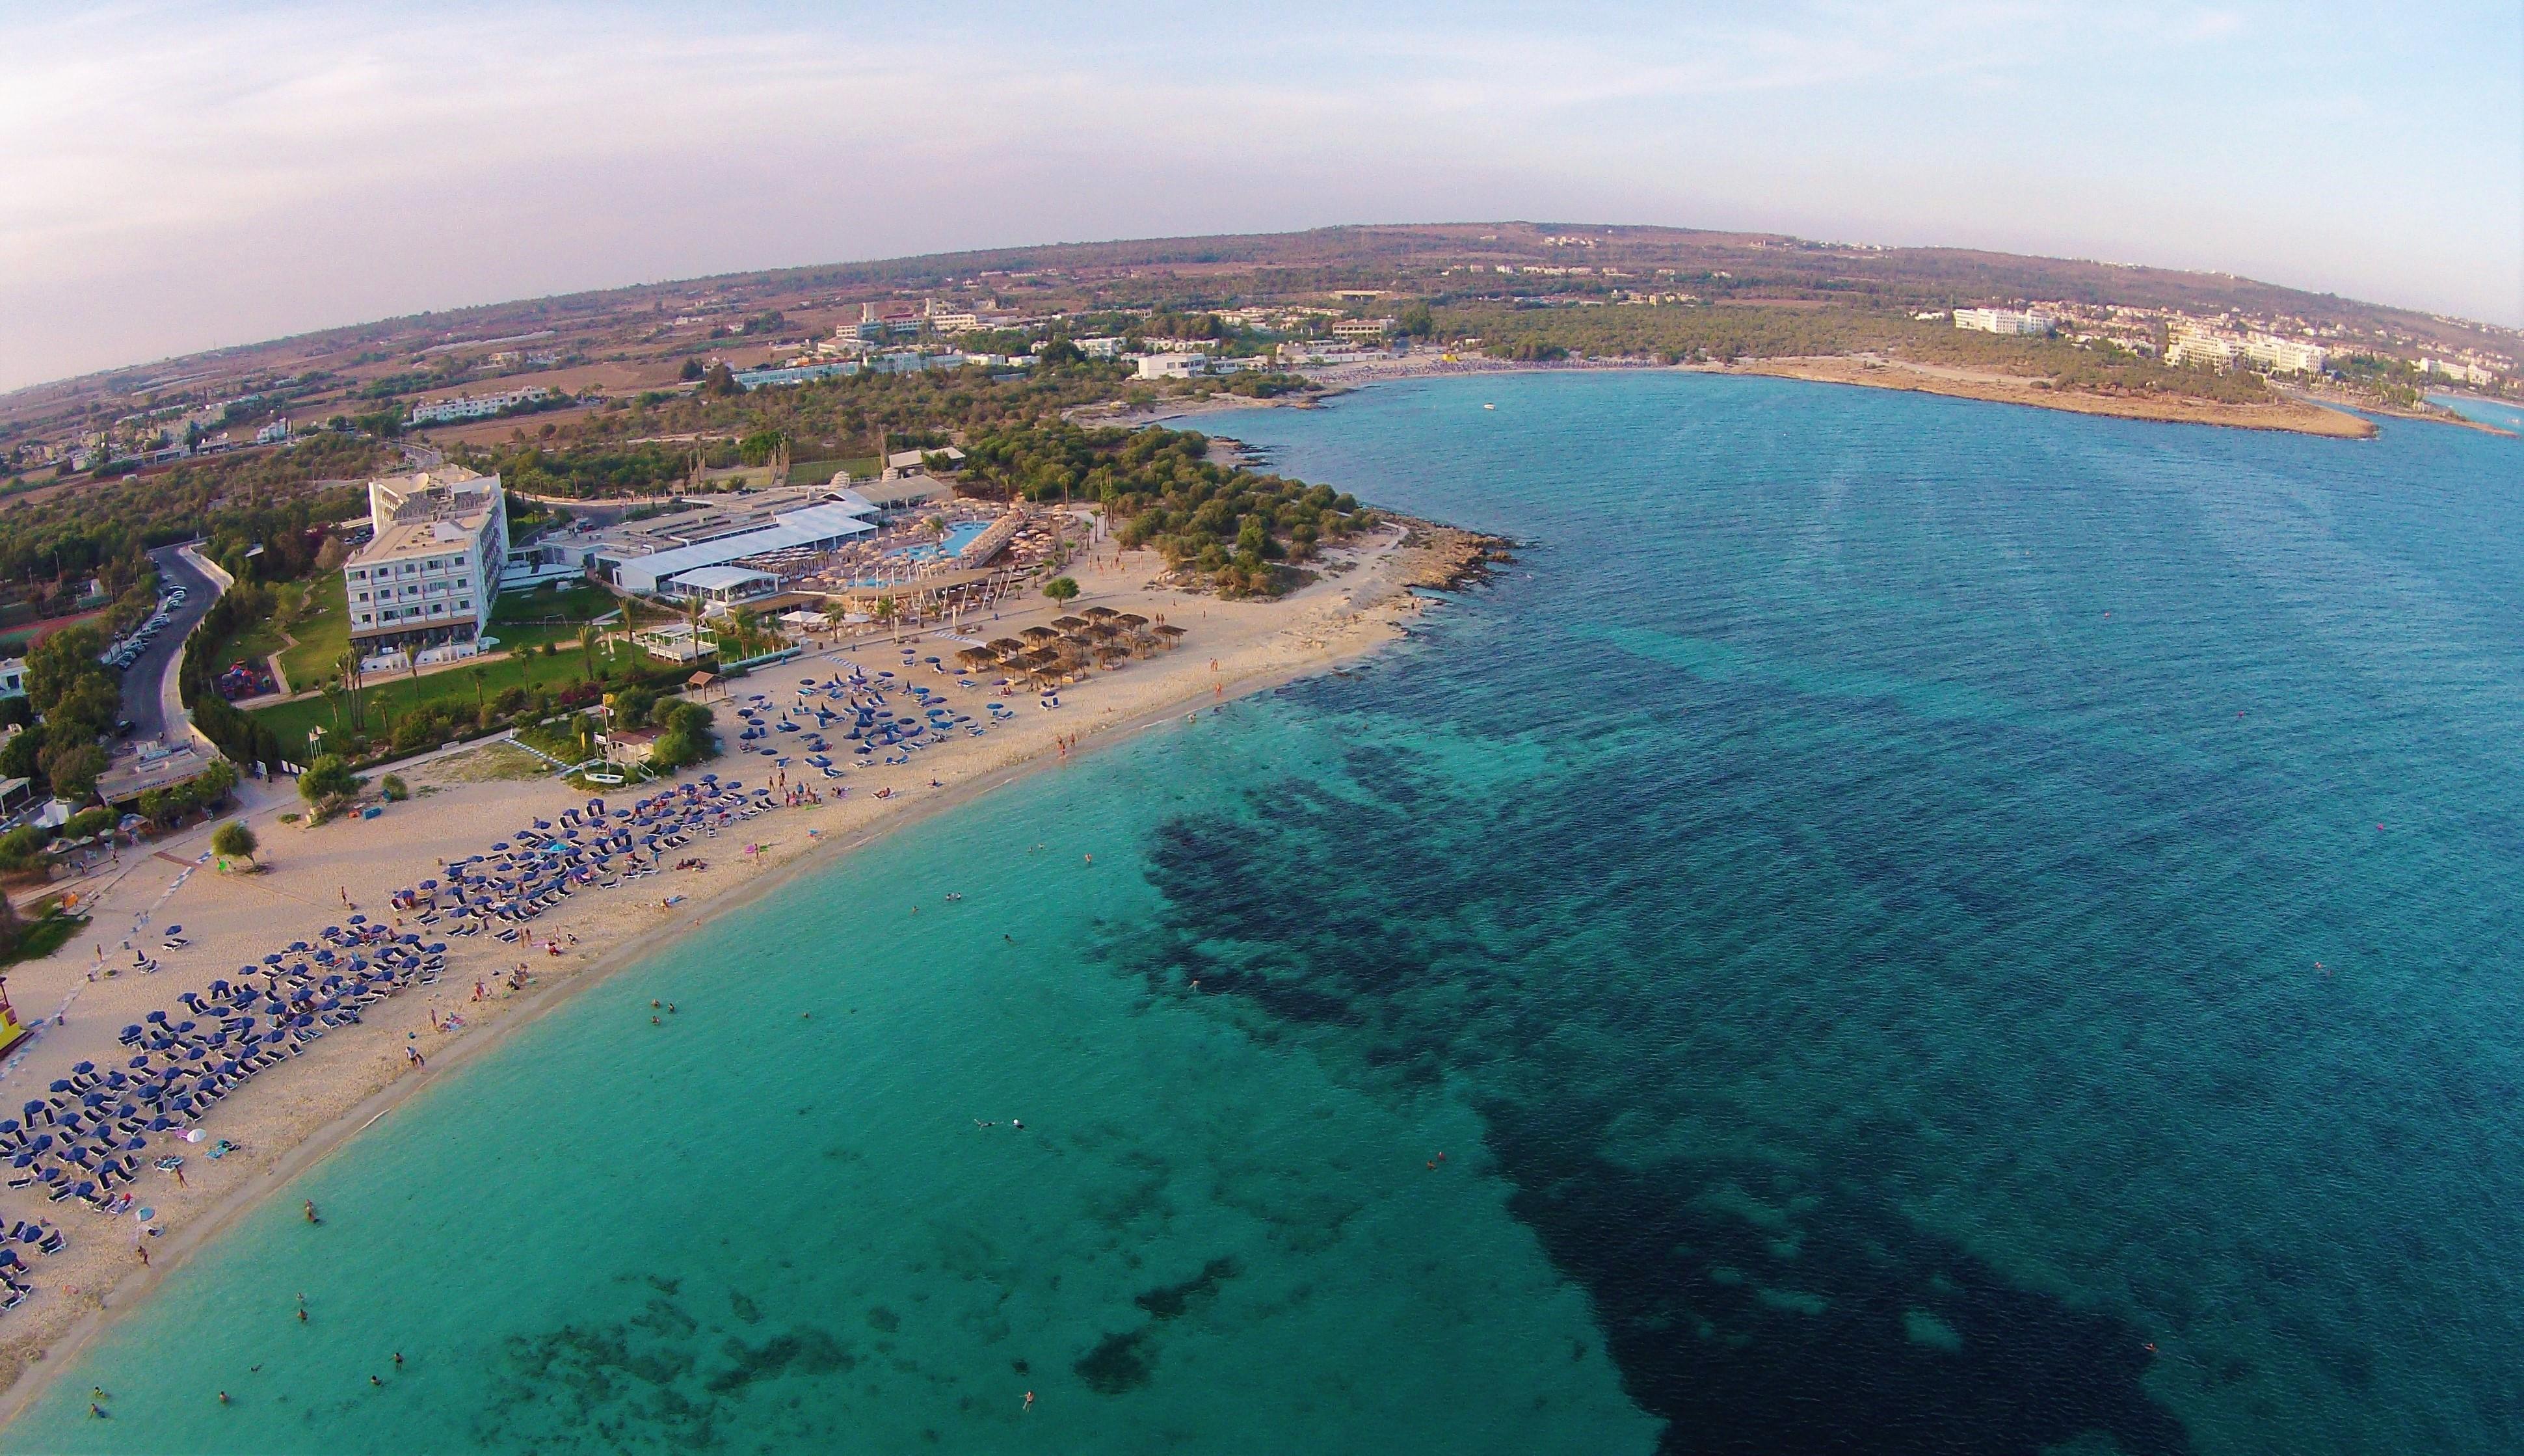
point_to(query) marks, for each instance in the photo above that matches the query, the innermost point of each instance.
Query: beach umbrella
(62, 1085)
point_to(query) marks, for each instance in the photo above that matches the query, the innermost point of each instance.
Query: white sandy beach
(297, 1111)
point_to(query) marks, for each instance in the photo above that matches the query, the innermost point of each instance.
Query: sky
(181, 178)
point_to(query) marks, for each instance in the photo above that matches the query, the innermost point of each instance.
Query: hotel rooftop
(428, 513)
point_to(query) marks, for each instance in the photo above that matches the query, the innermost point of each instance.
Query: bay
(1919, 924)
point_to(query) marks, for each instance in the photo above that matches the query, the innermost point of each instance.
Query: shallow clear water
(1920, 925)
(2499, 412)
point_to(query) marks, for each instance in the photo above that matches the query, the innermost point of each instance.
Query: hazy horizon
(188, 182)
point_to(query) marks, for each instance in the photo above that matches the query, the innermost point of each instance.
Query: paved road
(143, 694)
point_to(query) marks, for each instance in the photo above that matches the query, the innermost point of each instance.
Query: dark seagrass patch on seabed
(1878, 1337)
(1872, 1336)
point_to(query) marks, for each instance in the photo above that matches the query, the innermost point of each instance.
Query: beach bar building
(723, 586)
(635, 565)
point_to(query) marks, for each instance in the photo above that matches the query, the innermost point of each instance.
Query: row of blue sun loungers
(89, 1139)
(866, 726)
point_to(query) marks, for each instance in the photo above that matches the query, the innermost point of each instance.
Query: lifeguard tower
(11, 1032)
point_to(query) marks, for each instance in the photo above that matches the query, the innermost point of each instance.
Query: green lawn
(323, 633)
(260, 640)
(524, 622)
(816, 472)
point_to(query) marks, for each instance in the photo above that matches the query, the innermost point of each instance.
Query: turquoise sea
(1919, 926)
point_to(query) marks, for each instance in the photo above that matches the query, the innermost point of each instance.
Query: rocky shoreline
(1449, 558)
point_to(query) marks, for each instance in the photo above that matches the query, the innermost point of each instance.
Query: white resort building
(2022, 321)
(428, 577)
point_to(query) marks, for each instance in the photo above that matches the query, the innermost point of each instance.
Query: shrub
(394, 788)
(414, 731)
(328, 777)
(234, 840)
(21, 847)
(1060, 588)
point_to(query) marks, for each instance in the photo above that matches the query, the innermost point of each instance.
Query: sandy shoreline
(302, 1110)
(2296, 413)
(2293, 415)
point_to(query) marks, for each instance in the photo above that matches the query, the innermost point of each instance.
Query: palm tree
(349, 669)
(481, 682)
(586, 648)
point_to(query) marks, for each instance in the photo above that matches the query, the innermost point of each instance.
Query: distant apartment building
(1362, 330)
(2189, 342)
(2023, 322)
(275, 433)
(2285, 356)
(2454, 368)
(2192, 344)
(1107, 346)
(477, 406)
(1173, 365)
(428, 575)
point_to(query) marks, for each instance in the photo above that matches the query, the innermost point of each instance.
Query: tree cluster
(1233, 527)
(77, 699)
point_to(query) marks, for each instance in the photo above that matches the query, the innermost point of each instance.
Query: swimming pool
(957, 537)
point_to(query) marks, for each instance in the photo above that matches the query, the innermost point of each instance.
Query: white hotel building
(2023, 322)
(429, 577)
